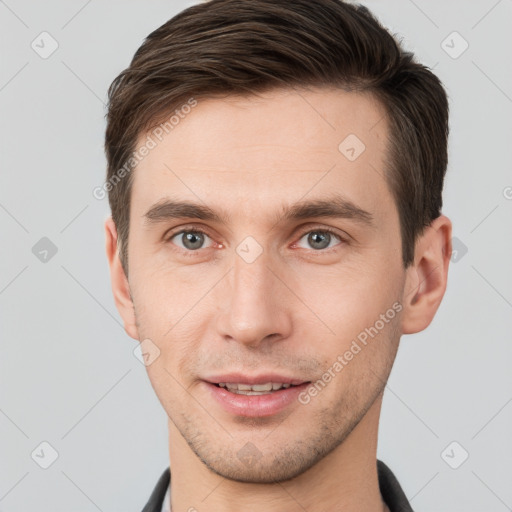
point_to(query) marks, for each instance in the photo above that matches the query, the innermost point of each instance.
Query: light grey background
(68, 375)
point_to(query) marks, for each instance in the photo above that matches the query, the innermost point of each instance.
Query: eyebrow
(333, 207)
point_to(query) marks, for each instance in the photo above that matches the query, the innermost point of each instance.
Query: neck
(346, 479)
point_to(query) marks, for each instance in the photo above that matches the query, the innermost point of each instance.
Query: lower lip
(255, 405)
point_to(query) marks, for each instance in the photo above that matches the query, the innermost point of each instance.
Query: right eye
(191, 240)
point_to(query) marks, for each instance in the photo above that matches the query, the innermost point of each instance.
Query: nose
(255, 304)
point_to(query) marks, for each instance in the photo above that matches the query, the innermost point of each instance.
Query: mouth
(264, 395)
(256, 389)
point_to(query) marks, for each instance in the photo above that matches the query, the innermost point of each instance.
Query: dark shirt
(392, 493)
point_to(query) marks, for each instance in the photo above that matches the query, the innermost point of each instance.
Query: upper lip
(243, 378)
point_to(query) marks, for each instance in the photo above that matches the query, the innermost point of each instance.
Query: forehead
(258, 153)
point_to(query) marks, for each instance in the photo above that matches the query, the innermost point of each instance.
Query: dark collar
(390, 489)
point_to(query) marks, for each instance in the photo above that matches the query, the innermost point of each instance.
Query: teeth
(255, 389)
(261, 387)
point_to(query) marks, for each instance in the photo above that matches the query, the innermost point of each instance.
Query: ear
(119, 281)
(426, 278)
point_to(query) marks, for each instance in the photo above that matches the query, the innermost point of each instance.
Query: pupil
(316, 236)
(193, 240)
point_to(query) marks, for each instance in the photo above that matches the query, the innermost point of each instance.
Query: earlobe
(119, 281)
(427, 277)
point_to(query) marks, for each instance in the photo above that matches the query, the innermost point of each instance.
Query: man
(275, 174)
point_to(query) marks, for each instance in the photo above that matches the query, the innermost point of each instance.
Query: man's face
(260, 295)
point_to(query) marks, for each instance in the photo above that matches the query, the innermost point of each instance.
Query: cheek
(360, 363)
(359, 313)
(347, 297)
(167, 310)
(163, 297)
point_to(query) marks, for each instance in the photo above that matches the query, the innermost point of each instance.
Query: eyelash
(192, 229)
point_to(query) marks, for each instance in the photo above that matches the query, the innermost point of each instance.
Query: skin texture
(293, 310)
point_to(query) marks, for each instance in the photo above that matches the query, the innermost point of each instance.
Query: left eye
(320, 239)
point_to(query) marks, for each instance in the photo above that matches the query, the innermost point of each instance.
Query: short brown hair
(223, 47)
